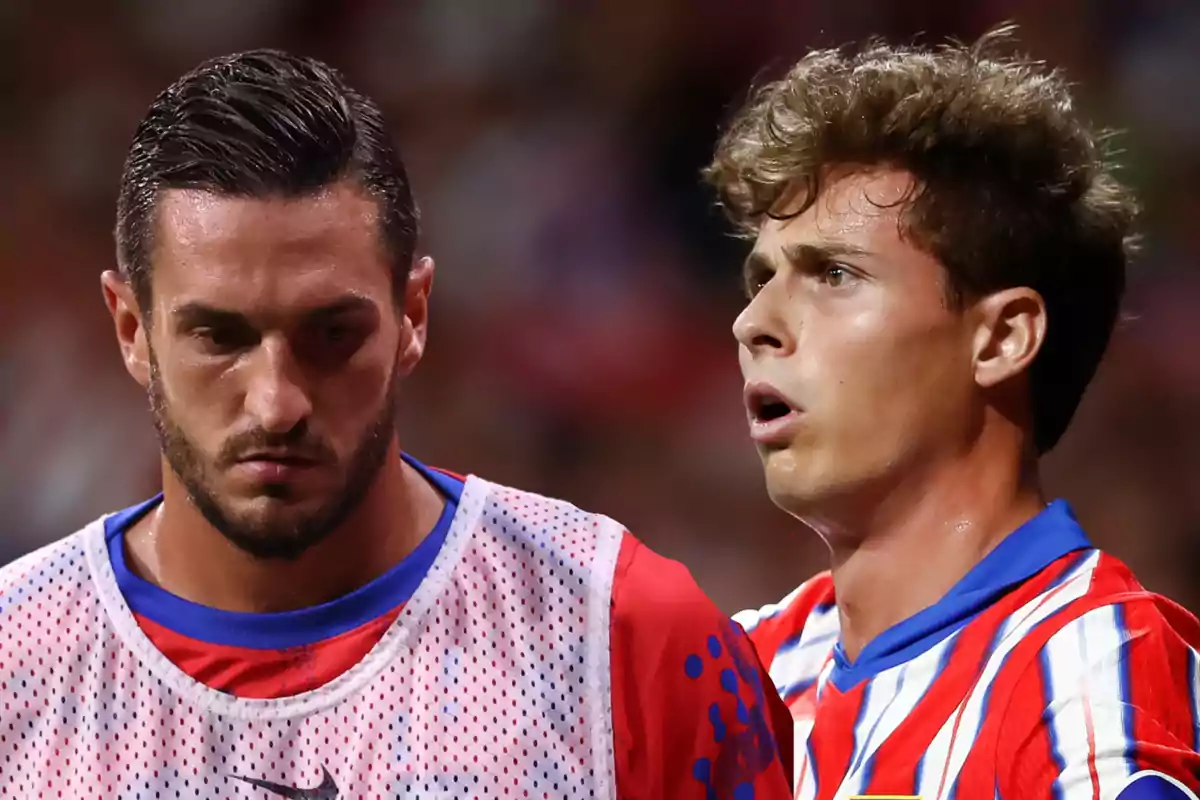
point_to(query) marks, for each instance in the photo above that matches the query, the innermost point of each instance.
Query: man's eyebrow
(804, 253)
(800, 255)
(346, 305)
(196, 314)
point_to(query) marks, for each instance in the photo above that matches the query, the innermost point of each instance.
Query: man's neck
(178, 550)
(915, 544)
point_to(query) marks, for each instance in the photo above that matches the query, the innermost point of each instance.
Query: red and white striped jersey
(1047, 671)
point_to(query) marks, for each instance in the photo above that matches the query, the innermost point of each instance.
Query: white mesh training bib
(492, 683)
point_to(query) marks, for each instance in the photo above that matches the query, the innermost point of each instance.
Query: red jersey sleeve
(694, 713)
(1107, 710)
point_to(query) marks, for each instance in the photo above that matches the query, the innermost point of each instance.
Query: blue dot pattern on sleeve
(745, 745)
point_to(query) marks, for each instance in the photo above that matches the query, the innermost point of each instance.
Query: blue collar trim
(1024, 553)
(283, 630)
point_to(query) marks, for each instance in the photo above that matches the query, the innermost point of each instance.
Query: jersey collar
(286, 629)
(1025, 552)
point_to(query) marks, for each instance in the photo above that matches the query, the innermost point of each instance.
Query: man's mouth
(771, 415)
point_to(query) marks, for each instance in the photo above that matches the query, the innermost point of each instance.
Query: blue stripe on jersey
(860, 741)
(278, 631)
(1024, 553)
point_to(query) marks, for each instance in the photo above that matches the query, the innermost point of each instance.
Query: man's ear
(1011, 330)
(129, 324)
(415, 323)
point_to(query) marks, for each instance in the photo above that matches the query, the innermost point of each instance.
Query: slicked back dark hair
(1014, 187)
(262, 123)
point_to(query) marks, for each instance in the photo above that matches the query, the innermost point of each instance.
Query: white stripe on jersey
(1088, 711)
(800, 662)
(891, 697)
(751, 617)
(948, 751)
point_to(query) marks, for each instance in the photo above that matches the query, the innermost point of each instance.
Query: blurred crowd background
(580, 343)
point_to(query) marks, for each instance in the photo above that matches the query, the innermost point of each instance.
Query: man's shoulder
(61, 561)
(526, 510)
(1115, 603)
(1132, 647)
(1124, 623)
(650, 588)
(660, 614)
(688, 699)
(1108, 683)
(43, 595)
(645, 589)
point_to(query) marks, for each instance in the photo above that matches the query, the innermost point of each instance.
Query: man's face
(857, 369)
(274, 346)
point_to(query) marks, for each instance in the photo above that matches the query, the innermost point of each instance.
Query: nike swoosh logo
(328, 790)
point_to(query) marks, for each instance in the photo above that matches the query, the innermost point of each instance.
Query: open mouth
(773, 418)
(766, 406)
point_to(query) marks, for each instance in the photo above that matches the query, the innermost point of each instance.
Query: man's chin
(781, 467)
(270, 528)
(272, 545)
(794, 485)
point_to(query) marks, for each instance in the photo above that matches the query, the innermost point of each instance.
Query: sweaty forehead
(860, 207)
(242, 252)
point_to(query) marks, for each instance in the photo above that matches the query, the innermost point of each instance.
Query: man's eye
(331, 343)
(222, 339)
(836, 276)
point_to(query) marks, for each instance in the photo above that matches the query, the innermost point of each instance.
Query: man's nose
(761, 328)
(276, 396)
